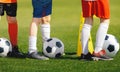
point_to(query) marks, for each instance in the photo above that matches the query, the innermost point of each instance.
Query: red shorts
(100, 8)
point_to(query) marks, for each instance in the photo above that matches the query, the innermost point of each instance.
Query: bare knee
(89, 20)
(11, 19)
(45, 20)
(104, 20)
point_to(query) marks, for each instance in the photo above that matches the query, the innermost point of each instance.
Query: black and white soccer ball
(5, 47)
(53, 48)
(111, 45)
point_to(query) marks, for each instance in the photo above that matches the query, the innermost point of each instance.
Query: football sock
(32, 44)
(85, 37)
(100, 36)
(13, 32)
(45, 30)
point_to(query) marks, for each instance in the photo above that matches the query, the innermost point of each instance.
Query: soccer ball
(111, 45)
(53, 48)
(5, 47)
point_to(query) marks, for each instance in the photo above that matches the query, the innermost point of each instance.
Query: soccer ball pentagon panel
(5, 47)
(53, 48)
(111, 45)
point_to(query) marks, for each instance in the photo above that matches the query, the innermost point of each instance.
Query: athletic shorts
(41, 8)
(9, 8)
(100, 8)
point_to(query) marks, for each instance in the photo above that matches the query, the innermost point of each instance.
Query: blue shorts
(41, 8)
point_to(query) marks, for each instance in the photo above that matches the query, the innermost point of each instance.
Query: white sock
(32, 44)
(45, 29)
(100, 36)
(85, 37)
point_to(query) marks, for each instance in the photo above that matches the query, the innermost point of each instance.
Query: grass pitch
(64, 25)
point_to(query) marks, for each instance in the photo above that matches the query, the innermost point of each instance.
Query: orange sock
(13, 32)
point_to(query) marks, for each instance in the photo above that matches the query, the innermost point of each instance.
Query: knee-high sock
(13, 33)
(32, 44)
(45, 30)
(100, 36)
(85, 37)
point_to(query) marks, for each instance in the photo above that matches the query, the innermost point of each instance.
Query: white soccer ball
(111, 45)
(53, 48)
(5, 47)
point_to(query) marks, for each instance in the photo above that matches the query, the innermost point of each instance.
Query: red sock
(13, 32)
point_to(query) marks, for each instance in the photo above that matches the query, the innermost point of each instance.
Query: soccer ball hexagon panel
(111, 45)
(5, 47)
(53, 48)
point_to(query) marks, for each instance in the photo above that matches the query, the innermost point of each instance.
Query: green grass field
(64, 25)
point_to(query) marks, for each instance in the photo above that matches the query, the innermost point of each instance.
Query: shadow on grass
(69, 55)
